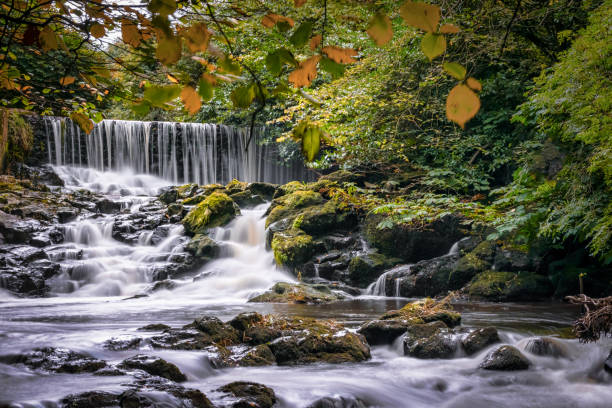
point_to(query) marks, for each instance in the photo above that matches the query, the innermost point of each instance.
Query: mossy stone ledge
(214, 211)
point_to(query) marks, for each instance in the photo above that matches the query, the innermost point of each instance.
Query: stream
(97, 297)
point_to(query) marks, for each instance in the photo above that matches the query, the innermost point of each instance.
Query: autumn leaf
(315, 41)
(271, 19)
(299, 3)
(462, 104)
(305, 73)
(197, 37)
(311, 142)
(97, 30)
(206, 86)
(433, 45)
(380, 29)
(340, 55)
(168, 50)
(172, 78)
(130, 33)
(449, 29)
(163, 7)
(421, 15)
(474, 84)
(83, 121)
(191, 100)
(455, 69)
(48, 39)
(67, 80)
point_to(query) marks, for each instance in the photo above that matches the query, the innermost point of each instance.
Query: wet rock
(505, 358)
(154, 366)
(203, 247)
(109, 372)
(379, 332)
(297, 293)
(425, 311)
(513, 260)
(91, 399)
(338, 402)
(154, 327)
(365, 269)
(545, 346)
(214, 211)
(174, 209)
(16, 230)
(430, 340)
(479, 339)
(120, 344)
(245, 320)
(510, 286)
(160, 392)
(293, 247)
(216, 329)
(261, 334)
(66, 214)
(249, 395)
(182, 339)
(430, 277)
(265, 190)
(260, 355)
(168, 196)
(246, 199)
(57, 360)
(608, 363)
(107, 206)
(289, 205)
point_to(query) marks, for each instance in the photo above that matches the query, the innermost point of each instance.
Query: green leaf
(159, 95)
(301, 34)
(331, 66)
(433, 45)
(205, 89)
(229, 66)
(243, 96)
(141, 108)
(311, 142)
(455, 70)
(163, 7)
(273, 63)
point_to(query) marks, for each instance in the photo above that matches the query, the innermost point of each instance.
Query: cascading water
(177, 152)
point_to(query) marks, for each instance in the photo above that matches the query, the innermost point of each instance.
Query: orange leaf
(315, 41)
(168, 50)
(172, 78)
(191, 100)
(340, 55)
(197, 37)
(474, 84)
(67, 80)
(299, 3)
(130, 33)
(305, 72)
(421, 15)
(97, 30)
(271, 19)
(380, 29)
(462, 104)
(449, 29)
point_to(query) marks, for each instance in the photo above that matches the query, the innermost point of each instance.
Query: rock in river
(505, 358)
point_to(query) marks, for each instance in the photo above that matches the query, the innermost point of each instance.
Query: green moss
(236, 186)
(508, 286)
(425, 311)
(297, 293)
(365, 269)
(214, 211)
(288, 205)
(186, 190)
(19, 142)
(292, 247)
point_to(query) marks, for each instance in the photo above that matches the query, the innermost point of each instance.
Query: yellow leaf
(168, 50)
(97, 30)
(48, 39)
(449, 29)
(340, 55)
(421, 15)
(462, 104)
(455, 69)
(380, 29)
(299, 3)
(197, 37)
(172, 78)
(271, 19)
(67, 80)
(130, 33)
(191, 100)
(83, 121)
(433, 45)
(315, 41)
(305, 72)
(474, 84)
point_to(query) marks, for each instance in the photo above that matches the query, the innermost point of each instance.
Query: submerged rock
(297, 293)
(430, 340)
(91, 399)
(338, 402)
(249, 395)
(545, 346)
(57, 360)
(479, 339)
(154, 366)
(215, 210)
(505, 358)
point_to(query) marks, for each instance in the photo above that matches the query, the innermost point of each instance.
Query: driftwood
(596, 320)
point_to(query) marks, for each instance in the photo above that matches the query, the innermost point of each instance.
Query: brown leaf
(380, 29)
(83, 121)
(48, 39)
(130, 33)
(449, 29)
(421, 15)
(462, 104)
(197, 37)
(474, 84)
(271, 19)
(340, 55)
(315, 41)
(299, 3)
(67, 80)
(97, 30)
(168, 50)
(191, 100)
(305, 72)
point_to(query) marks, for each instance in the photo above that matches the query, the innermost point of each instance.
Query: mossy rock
(202, 246)
(264, 190)
(425, 311)
(236, 186)
(283, 292)
(168, 196)
(216, 210)
(320, 219)
(290, 204)
(509, 286)
(187, 190)
(246, 199)
(365, 269)
(344, 176)
(289, 188)
(292, 247)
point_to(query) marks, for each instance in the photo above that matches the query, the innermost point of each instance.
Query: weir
(177, 152)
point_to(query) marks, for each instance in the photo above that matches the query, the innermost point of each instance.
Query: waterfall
(379, 287)
(177, 152)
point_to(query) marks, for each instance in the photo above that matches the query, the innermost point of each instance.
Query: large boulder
(154, 366)
(292, 247)
(365, 269)
(479, 339)
(289, 205)
(430, 340)
(505, 358)
(203, 247)
(379, 332)
(215, 210)
(57, 360)
(545, 346)
(509, 286)
(283, 292)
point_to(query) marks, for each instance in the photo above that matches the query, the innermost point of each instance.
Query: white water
(177, 152)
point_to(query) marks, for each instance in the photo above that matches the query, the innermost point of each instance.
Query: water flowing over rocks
(505, 358)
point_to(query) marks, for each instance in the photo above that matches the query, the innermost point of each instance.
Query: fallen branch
(596, 320)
